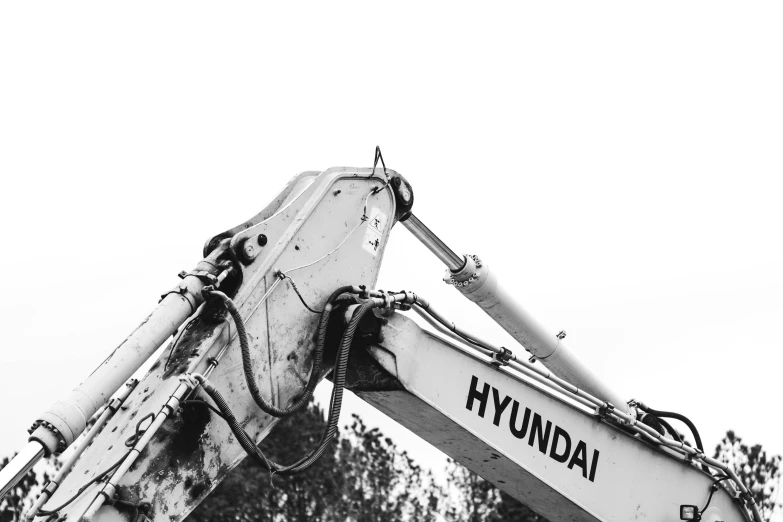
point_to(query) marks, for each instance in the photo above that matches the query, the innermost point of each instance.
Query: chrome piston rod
(434, 244)
(475, 281)
(20, 465)
(57, 427)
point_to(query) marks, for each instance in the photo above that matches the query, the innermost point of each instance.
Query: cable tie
(205, 277)
(180, 290)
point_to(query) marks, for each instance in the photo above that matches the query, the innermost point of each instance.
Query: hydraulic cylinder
(475, 281)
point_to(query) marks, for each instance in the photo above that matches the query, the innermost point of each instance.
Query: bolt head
(249, 249)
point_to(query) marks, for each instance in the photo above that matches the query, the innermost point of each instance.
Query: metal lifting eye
(379, 156)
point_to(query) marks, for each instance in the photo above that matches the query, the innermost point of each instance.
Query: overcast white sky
(619, 165)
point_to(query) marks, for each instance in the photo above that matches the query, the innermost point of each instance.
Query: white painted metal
(476, 282)
(320, 234)
(316, 237)
(67, 418)
(58, 427)
(70, 415)
(479, 284)
(84, 443)
(631, 479)
(108, 490)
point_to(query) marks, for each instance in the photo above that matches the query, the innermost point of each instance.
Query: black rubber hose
(341, 364)
(330, 431)
(685, 420)
(671, 430)
(242, 437)
(679, 417)
(247, 362)
(713, 489)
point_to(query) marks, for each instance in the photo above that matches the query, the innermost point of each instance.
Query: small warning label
(377, 220)
(373, 234)
(372, 241)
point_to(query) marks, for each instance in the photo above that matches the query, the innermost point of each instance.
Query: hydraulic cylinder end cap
(403, 196)
(470, 277)
(51, 441)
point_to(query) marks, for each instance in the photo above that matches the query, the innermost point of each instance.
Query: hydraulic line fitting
(503, 357)
(606, 410)
(407, 301)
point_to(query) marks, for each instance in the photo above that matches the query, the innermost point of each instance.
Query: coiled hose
(341, 364)
(247, 362)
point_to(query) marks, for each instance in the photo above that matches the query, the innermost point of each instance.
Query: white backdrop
(618, 165)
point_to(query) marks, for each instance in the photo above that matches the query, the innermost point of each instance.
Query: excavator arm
(289, 297)
(530, 437)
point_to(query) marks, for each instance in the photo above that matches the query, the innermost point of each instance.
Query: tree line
(368, 478)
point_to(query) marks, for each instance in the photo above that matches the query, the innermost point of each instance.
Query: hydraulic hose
(423, 304)
(247, 362)
(672, 431)
(682, 418)
(330, 431)
(679, 417)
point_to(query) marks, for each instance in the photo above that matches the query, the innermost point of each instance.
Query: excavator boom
(288, 298)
